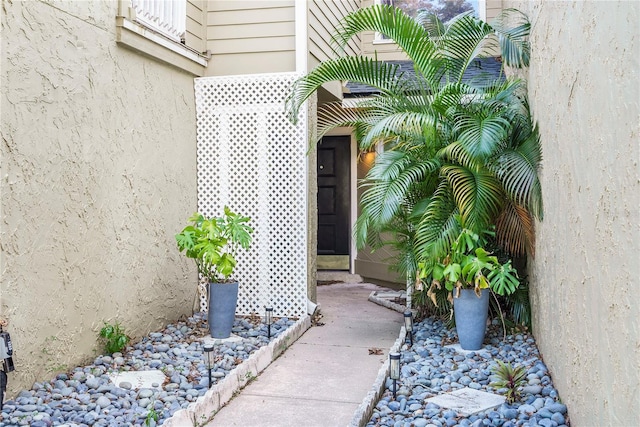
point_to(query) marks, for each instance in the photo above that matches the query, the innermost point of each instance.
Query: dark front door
(333, 202)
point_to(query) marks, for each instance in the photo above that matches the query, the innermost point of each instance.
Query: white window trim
(136, 36)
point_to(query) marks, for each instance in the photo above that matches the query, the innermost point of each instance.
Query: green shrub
(114, 337)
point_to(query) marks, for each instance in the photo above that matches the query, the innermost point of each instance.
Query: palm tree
(458, 153)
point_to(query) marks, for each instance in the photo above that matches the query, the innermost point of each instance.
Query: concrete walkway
(321, 380)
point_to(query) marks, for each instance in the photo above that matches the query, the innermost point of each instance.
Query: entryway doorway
(334, 195)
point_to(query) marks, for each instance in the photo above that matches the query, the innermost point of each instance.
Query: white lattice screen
(251, 158)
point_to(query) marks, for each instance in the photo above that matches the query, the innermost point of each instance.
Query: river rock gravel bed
(87, 397)
(430, 368)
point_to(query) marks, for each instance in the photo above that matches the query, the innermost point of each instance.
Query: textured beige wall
(585, 94)
(97, 175)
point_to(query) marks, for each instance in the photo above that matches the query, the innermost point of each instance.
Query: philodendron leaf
(226, 264)
(452, 272)
(504, 279)
(209, 252)
(438, 271)
(186, 239)
(196, 218)
(481, 281)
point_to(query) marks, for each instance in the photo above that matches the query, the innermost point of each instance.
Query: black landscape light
(268, 319)
(408, 325)
(208, 349)
(394, 370)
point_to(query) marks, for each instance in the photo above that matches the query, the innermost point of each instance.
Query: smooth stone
(92, 383)
(145, 393)
(162, 348)
(103, 402)
(125, 385)
(544, 413)
(527, 409)
(532, 389)
(558, 407)
(509, 413)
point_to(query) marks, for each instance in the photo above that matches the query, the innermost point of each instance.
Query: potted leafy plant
(470, 273)
(213, 244)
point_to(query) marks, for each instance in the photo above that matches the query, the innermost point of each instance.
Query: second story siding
(196, 16)
(249, 37)
(324, 16)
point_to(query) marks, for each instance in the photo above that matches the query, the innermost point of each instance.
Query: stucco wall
(98, 174)
(585, 94)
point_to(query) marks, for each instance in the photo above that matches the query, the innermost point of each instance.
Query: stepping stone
(482, 352)
(233, 338)
(138, 379)
(467, 401)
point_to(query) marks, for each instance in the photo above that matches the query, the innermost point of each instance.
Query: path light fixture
(408, 325)
(268, 319)
(208, 349)
(394, 370)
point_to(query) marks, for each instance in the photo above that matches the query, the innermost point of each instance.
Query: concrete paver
(323, 377)
(467, 401)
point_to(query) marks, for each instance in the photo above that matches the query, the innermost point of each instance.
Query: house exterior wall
(493, 8)
(584, 94)
(195, 36)
(251, 37)
(323, 16)
(98, 174)
(385, 50)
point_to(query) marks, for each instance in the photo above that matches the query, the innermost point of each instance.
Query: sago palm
(457, 151)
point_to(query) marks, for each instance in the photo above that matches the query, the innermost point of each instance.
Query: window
(157, 28)
(444, 9)
(166, 17)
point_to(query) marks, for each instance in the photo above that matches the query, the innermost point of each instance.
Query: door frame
(353, 187)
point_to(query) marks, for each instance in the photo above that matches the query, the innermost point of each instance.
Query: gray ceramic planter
(223, 298)
(471, 317)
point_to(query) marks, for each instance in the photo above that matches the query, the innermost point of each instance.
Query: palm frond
(464, 41)
(388, 183)
(515, 230)
(407, 124)
(517, 170)
(458, 154)
(439, 226)
(332, 115)
(408, 34)
(477, 193)
(481, 131)
(432, 24)
(512, 28)
(386, 77)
